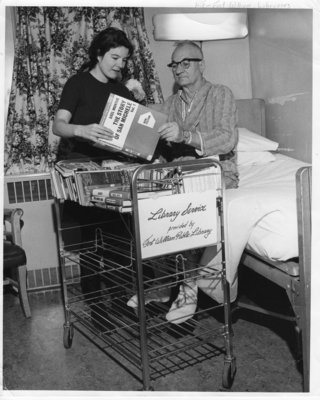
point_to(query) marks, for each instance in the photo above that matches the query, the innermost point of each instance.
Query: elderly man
(202, 116)
(202, 120)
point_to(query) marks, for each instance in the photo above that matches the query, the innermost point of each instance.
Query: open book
(134, 125)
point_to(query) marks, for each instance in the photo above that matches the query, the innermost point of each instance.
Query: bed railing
(304, 194)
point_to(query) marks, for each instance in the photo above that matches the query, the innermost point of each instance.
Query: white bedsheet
(261, 215)
(271, 190)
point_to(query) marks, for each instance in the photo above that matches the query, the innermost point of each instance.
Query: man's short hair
(189, 43)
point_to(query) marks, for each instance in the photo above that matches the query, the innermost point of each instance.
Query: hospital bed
(277, 234)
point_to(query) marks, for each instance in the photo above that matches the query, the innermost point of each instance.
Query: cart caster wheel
(67, 336)
(229, 372)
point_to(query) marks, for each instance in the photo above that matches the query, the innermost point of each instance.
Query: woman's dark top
(85, 98)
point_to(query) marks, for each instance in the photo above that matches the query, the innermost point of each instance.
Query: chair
(292, 276)
(14, 257)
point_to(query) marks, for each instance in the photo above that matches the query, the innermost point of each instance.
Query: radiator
(32, 193)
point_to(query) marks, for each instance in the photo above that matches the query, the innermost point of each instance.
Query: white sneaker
(184, 307)
(158, 295)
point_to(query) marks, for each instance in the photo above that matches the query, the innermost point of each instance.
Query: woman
(85, 94)
(83, 99)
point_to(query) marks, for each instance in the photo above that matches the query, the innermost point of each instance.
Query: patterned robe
(213, 115)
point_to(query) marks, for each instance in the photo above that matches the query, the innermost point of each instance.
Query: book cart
(147, 252)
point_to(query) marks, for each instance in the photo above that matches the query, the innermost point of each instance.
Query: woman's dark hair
(105, 40)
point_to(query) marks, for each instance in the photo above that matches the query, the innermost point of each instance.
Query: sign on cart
(179, 222)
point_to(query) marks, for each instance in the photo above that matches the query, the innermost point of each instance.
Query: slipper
(158, 295)
(184, 307)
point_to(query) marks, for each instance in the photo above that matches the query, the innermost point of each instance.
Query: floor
(34, 357)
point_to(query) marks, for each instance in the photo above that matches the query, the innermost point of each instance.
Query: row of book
(118, 198)
(107, 185)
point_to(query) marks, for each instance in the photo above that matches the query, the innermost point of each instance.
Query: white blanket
(261, 215)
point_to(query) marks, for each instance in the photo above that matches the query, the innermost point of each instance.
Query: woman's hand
(94, 132)
(171, 132)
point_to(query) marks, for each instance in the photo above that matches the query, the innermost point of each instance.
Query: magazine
(68, 167)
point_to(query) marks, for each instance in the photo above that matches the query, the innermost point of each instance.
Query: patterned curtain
(51, 45)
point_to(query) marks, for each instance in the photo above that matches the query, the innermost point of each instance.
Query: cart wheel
(67, 336)
(229, 372)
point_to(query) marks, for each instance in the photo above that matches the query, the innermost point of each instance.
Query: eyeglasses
(185, 63)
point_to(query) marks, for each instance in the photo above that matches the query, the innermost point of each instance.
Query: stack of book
(119, 198)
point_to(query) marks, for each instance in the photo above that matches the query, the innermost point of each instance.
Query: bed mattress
(261, 215)
(275, 234)
(262, 212)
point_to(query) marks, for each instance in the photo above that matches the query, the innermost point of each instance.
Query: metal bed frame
(294, 275)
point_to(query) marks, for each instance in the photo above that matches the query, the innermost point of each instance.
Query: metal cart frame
(144, 338)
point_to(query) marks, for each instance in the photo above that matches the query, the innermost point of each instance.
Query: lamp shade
(200, 26)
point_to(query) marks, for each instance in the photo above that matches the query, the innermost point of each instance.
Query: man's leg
(185, 305)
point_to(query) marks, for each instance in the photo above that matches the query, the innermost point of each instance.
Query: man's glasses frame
(185, 63)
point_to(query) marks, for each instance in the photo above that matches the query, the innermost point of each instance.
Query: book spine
(82, 198)
(126, 175)
(63, 187)
(105, 191)
(120, 194)
(54, 184)
(107, 108)
(112, 201)
(113, 207)
(126, 194)
(120, 209)
(99, 199)
(118, 201)
(118, 177)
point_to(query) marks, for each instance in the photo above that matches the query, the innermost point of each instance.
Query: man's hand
(171, 132)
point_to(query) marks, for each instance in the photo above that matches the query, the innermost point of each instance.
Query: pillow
(254, 157)
(250, 141)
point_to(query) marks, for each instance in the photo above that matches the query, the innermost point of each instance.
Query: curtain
(51, 44)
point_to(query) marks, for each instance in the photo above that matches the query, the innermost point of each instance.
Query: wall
(281, 68)
(227, 61)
